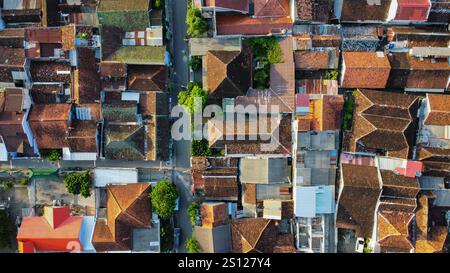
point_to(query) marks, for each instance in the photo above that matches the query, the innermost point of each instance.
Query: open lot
(51, 188)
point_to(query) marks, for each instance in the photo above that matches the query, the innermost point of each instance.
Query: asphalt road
(181, 152)
(39, 163)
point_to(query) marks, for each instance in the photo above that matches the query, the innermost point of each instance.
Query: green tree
(275, 55)
(187, 97)
(331, 75)
(195, 62)
(51, 155)
(267, 47)
(157, 4)
(200, 148)
(24, 181)
(191, 245)
(163, 197)
(192, 212)
(261, 78)
(5, 230)
(7, 185)
(78, 183)
(197, 25)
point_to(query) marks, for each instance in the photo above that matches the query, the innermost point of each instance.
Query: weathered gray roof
(264, 170)
(214, 240)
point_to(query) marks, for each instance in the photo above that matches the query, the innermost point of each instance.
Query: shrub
(349, 105)
(261, 78)
(275, 55)
(331, 75)
(157, 4)
(195, 62)
(24, 181)
(187, 97)
(267, 47)
(7, 185)
(192, 212)
(51, 155)
(163, 198)
(200, 148)
(197, 25)
(78, 183)
(191, 245)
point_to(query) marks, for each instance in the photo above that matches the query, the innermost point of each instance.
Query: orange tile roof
(50, 236)
(228, 24)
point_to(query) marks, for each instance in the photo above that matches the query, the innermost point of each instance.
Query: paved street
(180, 76)
(39, 163)
(181, 153)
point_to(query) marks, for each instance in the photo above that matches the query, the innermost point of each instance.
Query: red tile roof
(413, 10)
(228, 24)
(365, 70)
(52, 232)
(272, 8)
(439, 110)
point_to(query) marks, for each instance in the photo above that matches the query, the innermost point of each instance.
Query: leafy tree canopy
(78, 183)
(187, 97)
(163, 197)
(191, 245)
(197, 25)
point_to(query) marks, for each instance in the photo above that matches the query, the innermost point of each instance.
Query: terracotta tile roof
(241, 5)
(217, 188)
(216, 177)
(50, 125)
(360, 183)
(128, 207)
(399, 185)
(47, 71)
(439, 110)
(413, 10)
(228, 74)
(410, 72)
(428, 241)
(57, 112)
(252, 147)
(384, 121)
(12, 37)
(282, 84)
(11, 117)
(88, 77)
(258, 235)
(362, 10)
(249, 193)
(147, 77)
(213, 214)
(436, 161)
(82, 136)
(228, 24)
(315, 60)
(45, 94)
(113, 69)
(272, 8)
(315, 10)
(11, 59)
(365, 70)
